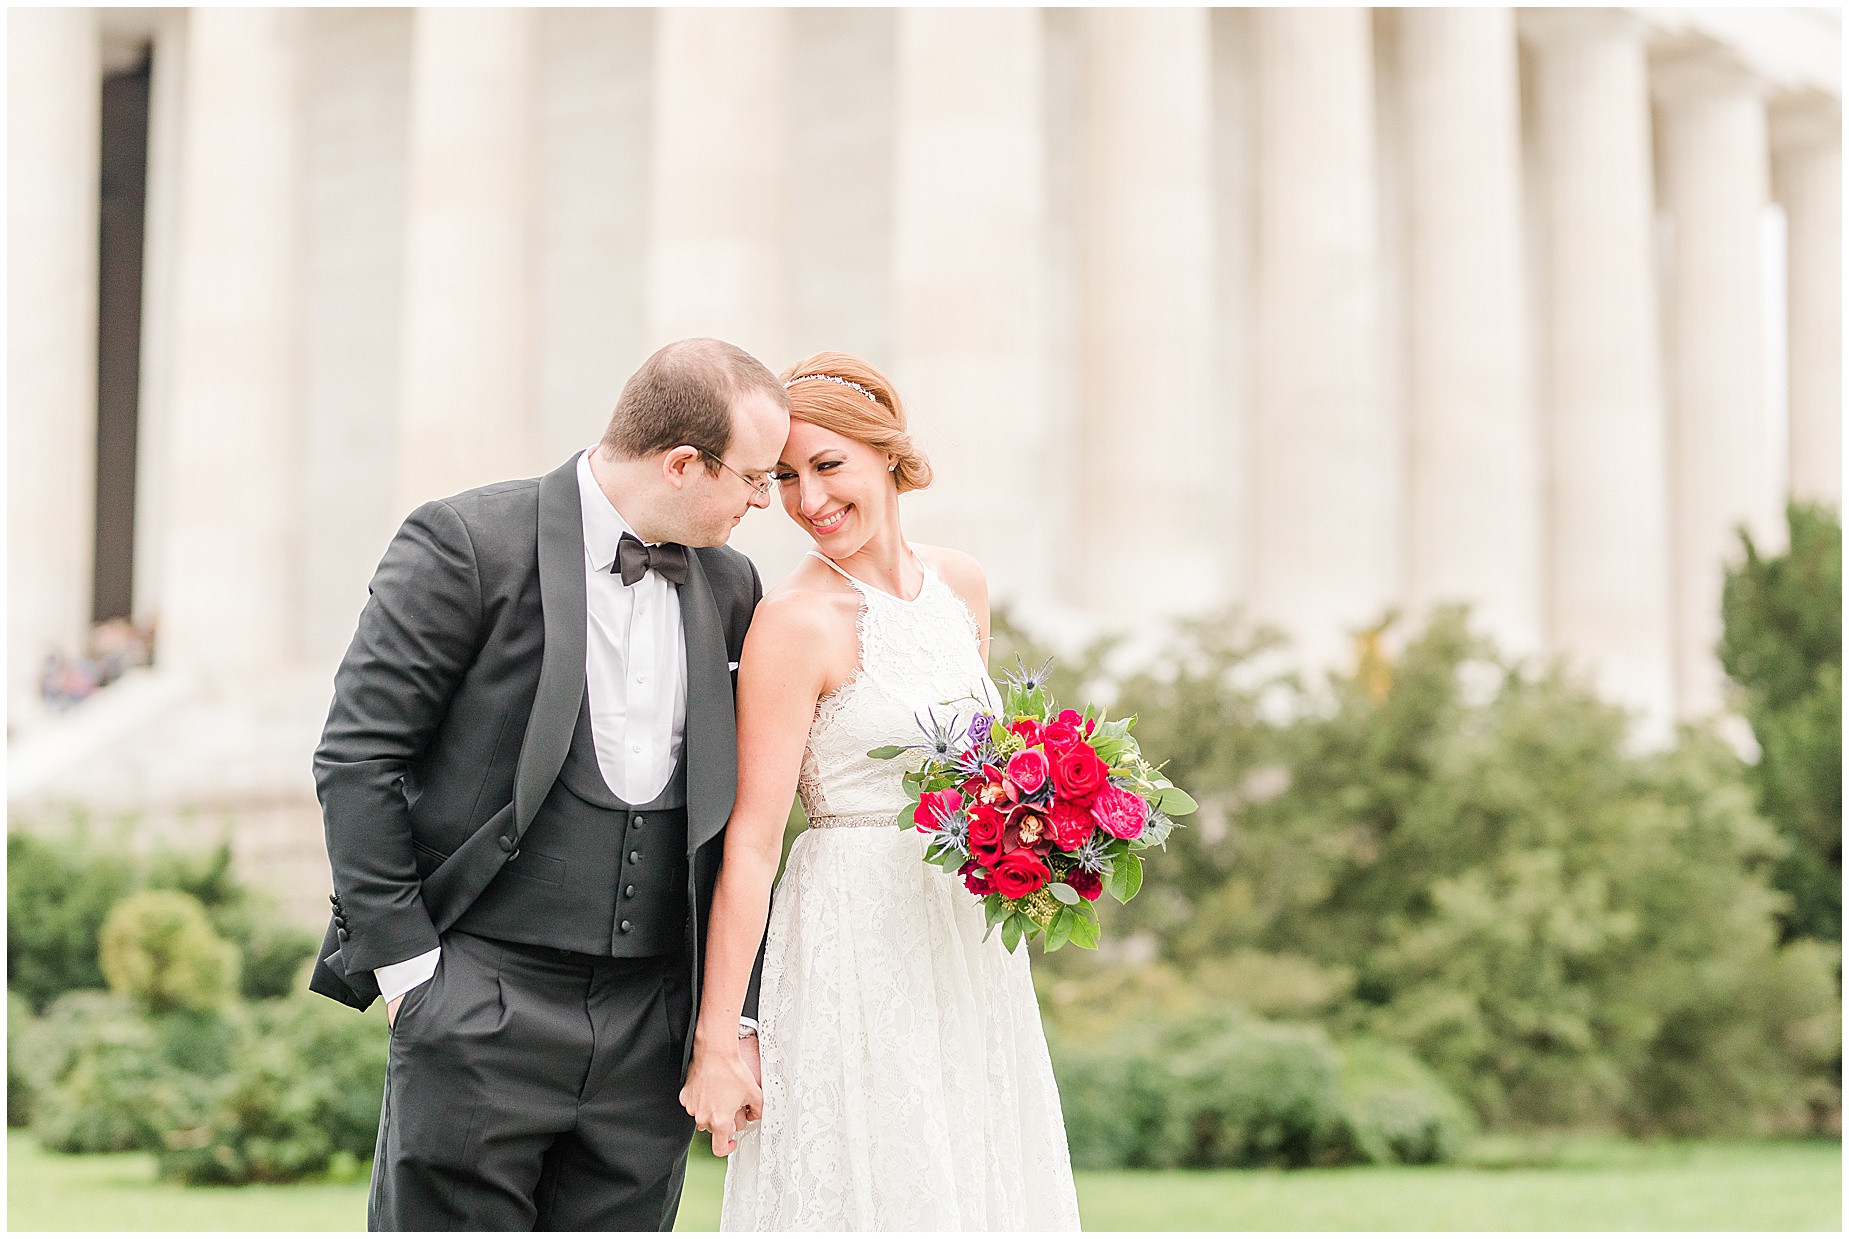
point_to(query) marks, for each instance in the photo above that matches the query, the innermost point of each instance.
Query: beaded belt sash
(835, 821)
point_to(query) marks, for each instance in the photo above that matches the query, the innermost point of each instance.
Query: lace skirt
(906, 1078)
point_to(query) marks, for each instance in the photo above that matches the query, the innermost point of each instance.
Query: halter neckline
(860, 584)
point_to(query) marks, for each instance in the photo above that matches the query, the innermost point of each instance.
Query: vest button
(624, 926)
(639, 823)
(634, 857)
(629, 892)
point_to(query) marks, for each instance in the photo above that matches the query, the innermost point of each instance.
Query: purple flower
(979, 728)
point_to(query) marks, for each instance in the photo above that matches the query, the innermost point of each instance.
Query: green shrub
(106, 1080)
(1216, 1088)
(57, 896)
(159, 948)
(1782, 645)
(303, 1091)
(270, 951)
(1397, 1110)
(20, 1089)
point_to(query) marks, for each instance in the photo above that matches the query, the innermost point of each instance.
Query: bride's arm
(781, 673)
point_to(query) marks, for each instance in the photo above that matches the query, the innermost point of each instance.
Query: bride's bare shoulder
(962, 572)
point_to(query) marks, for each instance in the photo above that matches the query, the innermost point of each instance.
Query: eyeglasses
(760, 484)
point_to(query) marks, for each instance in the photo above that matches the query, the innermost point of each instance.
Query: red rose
(1027, 729)
(1028, 770)
(1069, 825)
(924, 817)
(1086, 884)
(985, 833)
(1019, 874)
(979, 882)
(1078, 772)
(1059, 735)
(1118, 812)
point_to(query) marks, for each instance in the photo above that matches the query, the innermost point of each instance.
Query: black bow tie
(635, 557)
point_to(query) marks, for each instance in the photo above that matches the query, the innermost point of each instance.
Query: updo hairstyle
(819, 395)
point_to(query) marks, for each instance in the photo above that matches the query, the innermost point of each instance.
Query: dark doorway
(118, 335)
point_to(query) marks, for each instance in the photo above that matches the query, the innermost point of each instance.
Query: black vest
(593, 874)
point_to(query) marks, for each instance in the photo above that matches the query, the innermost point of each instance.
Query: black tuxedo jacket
(454, 708)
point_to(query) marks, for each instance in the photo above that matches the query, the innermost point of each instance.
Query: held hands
(723, 1092)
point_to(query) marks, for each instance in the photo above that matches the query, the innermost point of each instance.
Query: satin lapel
(561, 668)
(711, 739)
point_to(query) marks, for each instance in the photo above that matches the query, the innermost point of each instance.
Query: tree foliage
(1467, 859)
(1782, 647)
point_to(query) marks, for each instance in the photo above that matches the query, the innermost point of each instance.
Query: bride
(905, 1077)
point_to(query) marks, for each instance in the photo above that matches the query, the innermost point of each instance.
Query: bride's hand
(721, 1093)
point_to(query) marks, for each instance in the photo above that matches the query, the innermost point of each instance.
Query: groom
(525, 778)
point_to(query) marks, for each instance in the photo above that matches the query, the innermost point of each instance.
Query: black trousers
(533, 1089)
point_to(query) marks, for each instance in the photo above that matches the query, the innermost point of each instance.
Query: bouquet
(1040, 811)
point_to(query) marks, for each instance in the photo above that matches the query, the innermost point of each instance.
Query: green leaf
(994, 908)
(1083, 932)
(1063, 893)
(1060, 931)
(1175, 802)
(1129, 877)
(1011, 931)
(886, 752)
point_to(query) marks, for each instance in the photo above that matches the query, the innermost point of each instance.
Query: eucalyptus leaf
(886, 752)
(1063, 893)
(1175, 802)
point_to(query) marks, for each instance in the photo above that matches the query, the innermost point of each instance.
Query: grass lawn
(1602, 1185)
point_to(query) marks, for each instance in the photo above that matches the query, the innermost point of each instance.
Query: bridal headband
(834, 379)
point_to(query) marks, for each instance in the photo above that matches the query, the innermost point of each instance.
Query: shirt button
(634, 857)
(641, 679)
(629, 892)
(624, 926)
(635, 748)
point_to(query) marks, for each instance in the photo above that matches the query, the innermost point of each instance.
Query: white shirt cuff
(396, 980)
(745, 1021)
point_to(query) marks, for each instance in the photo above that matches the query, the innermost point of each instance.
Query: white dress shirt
(635, 670)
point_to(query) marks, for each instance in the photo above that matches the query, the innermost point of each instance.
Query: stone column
(227, 589)
(1714, 174)
(969, 216)
(1807, 172)
(1608, 571)
(718, 211)
(1327, 460)
(1150, 452)
(53, 141)
(719, 178)
(1474, 510)
(463, 417)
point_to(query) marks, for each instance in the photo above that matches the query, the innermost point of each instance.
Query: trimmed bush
(107, 1081)
(303, 1091)
(159, 948)
(20, 1090)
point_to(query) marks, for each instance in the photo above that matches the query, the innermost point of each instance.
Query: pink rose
(1119, 813)
(1028, 770)
(925, 816)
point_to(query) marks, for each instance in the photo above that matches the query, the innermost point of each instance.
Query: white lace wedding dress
(906, 1078)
